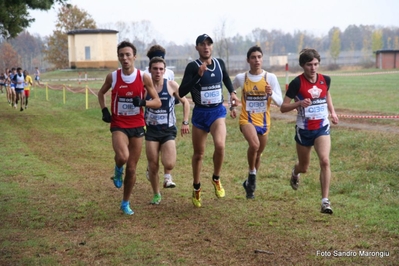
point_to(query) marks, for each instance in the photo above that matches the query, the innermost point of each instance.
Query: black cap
(202, 38)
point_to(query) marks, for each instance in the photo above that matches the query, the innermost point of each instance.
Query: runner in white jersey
(159, 51)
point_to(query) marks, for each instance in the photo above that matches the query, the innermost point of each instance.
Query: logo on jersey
(315, 92)
(123, 87)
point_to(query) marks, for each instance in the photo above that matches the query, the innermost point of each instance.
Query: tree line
(51, 52)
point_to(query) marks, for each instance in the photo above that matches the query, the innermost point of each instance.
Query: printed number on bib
(126, 107)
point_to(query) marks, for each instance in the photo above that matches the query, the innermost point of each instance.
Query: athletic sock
(197, 186)
(215, 177)
(252, 172)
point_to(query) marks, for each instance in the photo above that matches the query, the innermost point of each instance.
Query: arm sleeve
(328, 81)
(277, 95)
(226, 77)
(293, 88)
(238, 81)
(190, 78)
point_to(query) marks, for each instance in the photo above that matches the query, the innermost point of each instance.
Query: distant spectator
(37, 76)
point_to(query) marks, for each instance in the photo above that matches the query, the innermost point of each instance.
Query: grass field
(59, 207)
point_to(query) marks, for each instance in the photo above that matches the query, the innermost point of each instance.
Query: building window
(87, 52)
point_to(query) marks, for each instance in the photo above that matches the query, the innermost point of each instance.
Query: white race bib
(156, 119)
(256, 104)
(126, 107)
(315, 112)
(211, 94)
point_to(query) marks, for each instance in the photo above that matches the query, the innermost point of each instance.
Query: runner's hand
(106, 115)
(137, 101)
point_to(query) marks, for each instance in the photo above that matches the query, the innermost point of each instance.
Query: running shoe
(118, 177)
(294, 180)
(197, 198)
(126, 209)
(168, 183)
(156, 199)
(249, 186)
(219, 190)
(252, 182)
(249, 192)
(326, 207)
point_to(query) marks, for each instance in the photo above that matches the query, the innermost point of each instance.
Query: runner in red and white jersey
(310, 92)
(128, 86)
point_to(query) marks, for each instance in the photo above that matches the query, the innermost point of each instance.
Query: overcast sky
(182, 21)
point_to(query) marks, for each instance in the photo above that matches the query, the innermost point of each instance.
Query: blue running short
(306, 137)
(203, 117)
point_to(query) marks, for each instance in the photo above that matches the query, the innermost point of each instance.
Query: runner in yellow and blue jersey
(259, 88)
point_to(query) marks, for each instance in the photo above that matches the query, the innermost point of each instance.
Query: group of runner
(142, 105)
(16, 83)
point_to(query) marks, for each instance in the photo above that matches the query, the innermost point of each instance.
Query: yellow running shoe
(197, 198)
(219, 190)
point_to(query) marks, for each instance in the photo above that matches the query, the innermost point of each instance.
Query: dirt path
(349, 123)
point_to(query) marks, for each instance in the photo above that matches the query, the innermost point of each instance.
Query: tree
(8, 56)
(142, 34)
(396, 42)
(123, 30)
(29, 48)
(14, 15)
(69, 18)
(376, 40)
(335, 47)
(300, 40)
(352, 38)
(222, 43)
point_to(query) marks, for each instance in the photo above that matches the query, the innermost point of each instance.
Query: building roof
(386, 51)
(91, 31)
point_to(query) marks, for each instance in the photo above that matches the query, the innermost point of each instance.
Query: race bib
(126, 107)
(315, 112)
(156, 119)
(211, 94)
(256, 104)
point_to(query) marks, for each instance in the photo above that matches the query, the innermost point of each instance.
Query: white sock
(293, 173)
(252, 172)
(324, 200)
(167, 176)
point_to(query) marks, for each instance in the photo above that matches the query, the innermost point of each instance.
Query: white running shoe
(326, 207)
(168, 183)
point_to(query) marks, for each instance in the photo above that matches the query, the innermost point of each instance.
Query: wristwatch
(185, 123)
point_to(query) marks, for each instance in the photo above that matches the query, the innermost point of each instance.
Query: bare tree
(142, 34)
(222, 42)
(123, 30)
